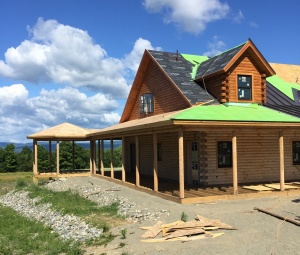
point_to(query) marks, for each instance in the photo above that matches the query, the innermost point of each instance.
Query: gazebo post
(73, 158)
(99, 156)
(50, 156)
(57, 158)
(35, 162)
(102, 157)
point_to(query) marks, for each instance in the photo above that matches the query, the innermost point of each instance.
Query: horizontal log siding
(257, 157)
(247, 66)
(167, 97)
(214, 86)
(146, 154)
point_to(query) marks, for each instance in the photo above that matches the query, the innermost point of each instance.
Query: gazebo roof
(64, 131)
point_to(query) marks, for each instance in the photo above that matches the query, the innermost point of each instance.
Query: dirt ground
(257, 233)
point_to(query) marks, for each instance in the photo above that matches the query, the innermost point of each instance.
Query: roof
(241, 112)
(217, 62)
(64, 131)
(225, 60)
(287, 88)
(289, 73)
(179, 69)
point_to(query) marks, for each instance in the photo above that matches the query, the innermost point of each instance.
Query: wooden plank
(188, 232)
(278, 216)
(277, 186)
(154, 231)
(214, 223)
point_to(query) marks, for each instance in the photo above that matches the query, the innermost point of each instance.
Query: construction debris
(278, 216)
(200, 228)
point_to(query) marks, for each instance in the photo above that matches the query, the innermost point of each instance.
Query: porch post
(112, 158)
(281, 160)
(99, 157)
(102, 157)
(137, 160)
(155, 162)
(50, 156)
(57, 157)
(35, 163)
(181, 164)
(234, 164)
(94, 156)
(123, 160)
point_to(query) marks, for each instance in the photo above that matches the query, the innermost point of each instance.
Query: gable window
(224, 154)
(296, 153)
(244, 87)
(146, 103)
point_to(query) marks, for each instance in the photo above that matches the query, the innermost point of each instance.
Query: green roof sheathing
(196, 61)
(285, 87)
(234, 112)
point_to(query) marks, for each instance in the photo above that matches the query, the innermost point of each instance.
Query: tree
(43, 158)
(2, 160)
(117, 157)
(10, 158)
(24, 160)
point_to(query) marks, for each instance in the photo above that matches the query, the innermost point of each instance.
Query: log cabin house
(207, 125)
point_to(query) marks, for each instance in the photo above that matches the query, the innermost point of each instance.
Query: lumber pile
(200, 228)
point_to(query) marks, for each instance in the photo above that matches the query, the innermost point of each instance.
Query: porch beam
(281, 160)
(112, 158)
(155, 177)
(137, 162)
(123, 160)
(181, 163)
(234, 164)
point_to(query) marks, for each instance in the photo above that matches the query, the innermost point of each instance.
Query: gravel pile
(67, 226)
(106, 196)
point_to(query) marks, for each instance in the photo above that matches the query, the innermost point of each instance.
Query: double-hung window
(146, 103)
(224, 154)
(244, 87)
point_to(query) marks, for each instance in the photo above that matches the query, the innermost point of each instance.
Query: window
(244, 87)
(146, 103)
(296, 153)
(224, 154)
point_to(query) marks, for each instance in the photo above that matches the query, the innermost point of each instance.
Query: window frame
(250, 89)
(219, 154)
(295, 162)
(146, 103)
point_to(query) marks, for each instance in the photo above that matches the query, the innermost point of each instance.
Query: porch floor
(171, 187)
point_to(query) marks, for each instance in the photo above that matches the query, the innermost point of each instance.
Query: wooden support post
(112, 158)
(73, 158)
(123, 160)
(91, 156)
(57, 157)
(234, 164)
(281, 160)
(94, 156)
(35, 159)
(50, 156)
(102, 157)
(98, 156)
(181, 163)
(155, 177)
(137, 162)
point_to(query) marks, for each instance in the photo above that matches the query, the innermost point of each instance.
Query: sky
(75, 60)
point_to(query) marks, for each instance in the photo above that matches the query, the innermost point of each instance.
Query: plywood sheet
(258, 188)
(277, 186)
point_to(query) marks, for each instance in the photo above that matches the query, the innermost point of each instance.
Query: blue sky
(75, 60)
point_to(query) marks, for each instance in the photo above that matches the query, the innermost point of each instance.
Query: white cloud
(238, 17)
(253, 24)
(191, 16)
(66, 55)
(132, 60)
(215, 47)
(21, 115)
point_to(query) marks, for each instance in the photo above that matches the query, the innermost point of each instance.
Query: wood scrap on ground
(278, 216)
(200, 228)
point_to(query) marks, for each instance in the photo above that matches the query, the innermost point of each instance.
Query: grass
(184, 217)
(18, 235)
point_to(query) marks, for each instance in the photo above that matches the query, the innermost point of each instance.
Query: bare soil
(258, 233)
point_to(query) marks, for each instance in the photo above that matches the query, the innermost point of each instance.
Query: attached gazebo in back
(62, 132)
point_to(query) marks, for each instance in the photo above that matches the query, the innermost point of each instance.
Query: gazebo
(59, 133)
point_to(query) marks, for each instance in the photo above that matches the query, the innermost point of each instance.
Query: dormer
(236, 75)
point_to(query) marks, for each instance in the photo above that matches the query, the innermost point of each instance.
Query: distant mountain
(86, 145)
